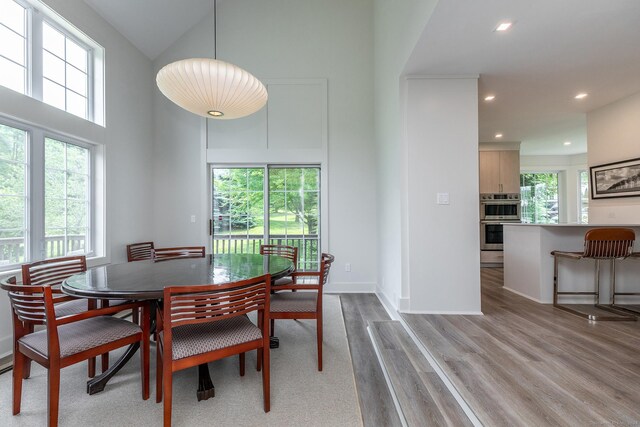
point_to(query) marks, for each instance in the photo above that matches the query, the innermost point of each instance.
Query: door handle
(210, 227)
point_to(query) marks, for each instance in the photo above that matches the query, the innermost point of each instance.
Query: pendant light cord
(215, 31)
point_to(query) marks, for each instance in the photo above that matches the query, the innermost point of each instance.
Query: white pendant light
(212, 88)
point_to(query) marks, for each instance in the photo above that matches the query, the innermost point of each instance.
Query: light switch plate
(443, 199)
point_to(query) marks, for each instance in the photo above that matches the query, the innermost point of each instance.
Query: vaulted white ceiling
(555, 50)
(152, 25)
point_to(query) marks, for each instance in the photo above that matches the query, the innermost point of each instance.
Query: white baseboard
(461, 313)
(349, 287)
(403, 304)
(6, 346)
(526, 296)
(388, 306)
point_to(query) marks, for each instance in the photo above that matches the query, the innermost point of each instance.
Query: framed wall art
(618, 179)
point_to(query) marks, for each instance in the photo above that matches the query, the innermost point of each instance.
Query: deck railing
(308, 254)
(12, 249)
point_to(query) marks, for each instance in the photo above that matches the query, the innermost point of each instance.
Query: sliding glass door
(284, 198)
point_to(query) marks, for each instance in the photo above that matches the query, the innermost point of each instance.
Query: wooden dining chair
(200, 324)
(288, 252)
(139, 251)
(303, 305)
(67, 339)
(165, 254)
(52, 272)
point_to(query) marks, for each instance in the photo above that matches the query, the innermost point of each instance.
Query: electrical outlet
(193, 218)
(347, 267)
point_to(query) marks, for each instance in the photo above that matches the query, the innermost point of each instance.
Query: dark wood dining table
(145, 280)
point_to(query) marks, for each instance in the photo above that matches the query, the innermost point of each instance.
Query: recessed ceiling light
(581, 95)
(567, 143)
(498, 135)
(489, 97)
(503, 26)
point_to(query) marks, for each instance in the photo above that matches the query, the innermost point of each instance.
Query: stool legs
(618, 307)
(596, 294)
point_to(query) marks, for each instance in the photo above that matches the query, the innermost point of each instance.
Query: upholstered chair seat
(82, 335)
(299, 302)
(198, 338)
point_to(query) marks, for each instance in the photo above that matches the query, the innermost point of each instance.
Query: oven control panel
(499, 196)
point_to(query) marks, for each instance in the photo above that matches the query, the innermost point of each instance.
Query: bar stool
(599, 244)
(614, 293)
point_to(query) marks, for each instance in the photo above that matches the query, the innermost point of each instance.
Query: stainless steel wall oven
(496, 209)
(502, 206)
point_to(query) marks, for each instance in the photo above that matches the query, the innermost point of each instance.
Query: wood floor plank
(376, 403)
(524, 363)
(421, 394)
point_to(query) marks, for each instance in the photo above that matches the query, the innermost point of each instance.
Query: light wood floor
(524, 363)
(376, 403)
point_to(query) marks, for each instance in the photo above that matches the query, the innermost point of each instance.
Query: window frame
(27, 47)
(35, 247)
(579, 191)
(91, 185)
(37, 13)
(39, 48)
(28, 244)
(559, 195)
(267, 167)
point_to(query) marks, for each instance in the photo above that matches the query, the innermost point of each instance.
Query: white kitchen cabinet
(500, 171)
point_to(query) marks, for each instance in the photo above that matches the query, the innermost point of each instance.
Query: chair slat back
(185, 305)
(29, 303)
(139, 251)
(164, 254)
(608, 243)
(325, 265)
(288, 252)
(53, 271)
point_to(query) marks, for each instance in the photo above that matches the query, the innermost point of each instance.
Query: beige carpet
(300, 395)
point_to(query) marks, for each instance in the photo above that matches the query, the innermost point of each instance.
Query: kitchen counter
(528, 263)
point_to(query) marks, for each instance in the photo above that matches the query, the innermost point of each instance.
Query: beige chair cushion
(298, 302)
(82, 335)
(199, 338)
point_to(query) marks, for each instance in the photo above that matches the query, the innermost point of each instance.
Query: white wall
(613, 134)
(285, 39)
(442, 157)
(126, 137)
(397, 27)
(568, 180)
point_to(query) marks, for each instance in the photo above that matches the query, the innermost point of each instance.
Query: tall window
(290, 208)
(45, 57)
(539, 194)
(64, 71)
(238, 210)
(13, 46)
(294, 211)
(67, 201)
(13, 196)
(583, 182)
(43, 221)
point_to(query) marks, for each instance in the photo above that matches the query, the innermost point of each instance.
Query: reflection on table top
(147, 279)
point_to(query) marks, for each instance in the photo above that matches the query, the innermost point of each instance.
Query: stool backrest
(609, 243)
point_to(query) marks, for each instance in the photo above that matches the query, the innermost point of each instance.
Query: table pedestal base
(97, 384)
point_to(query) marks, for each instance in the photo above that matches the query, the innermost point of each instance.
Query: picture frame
(617, 179)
